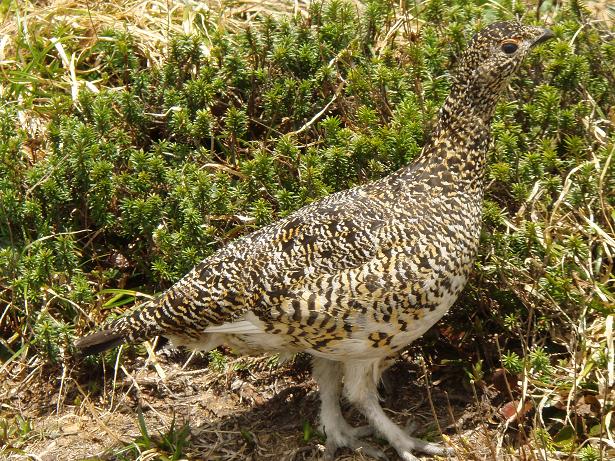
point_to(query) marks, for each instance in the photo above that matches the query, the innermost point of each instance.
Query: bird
(355, 277)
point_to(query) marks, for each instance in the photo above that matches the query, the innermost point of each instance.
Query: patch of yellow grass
(150, 22)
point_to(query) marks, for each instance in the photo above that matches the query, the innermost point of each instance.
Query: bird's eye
(509, 47)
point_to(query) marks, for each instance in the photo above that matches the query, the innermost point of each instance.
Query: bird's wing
(343, 313)
(349, 279)
(306, 255)
(338, 232)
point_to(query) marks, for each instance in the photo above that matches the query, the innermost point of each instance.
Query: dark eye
(509, 47)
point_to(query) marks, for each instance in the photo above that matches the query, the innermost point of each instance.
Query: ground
(254, 409)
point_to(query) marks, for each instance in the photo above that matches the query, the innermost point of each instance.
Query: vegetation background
(137, 137)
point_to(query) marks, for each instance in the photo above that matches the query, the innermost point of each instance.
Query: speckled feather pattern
(363, 272)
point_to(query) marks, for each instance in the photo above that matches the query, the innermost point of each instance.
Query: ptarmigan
(353, 278)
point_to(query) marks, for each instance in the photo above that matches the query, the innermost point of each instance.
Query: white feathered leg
(339, 433)
(360, 387)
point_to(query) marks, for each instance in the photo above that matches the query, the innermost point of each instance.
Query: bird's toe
(413, 445)
(350, 439)
(411, 427)
(373, 452)
(362, 431)
(407, 456)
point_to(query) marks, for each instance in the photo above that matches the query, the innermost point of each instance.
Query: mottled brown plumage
(360, 274)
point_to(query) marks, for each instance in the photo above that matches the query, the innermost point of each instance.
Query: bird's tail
(136, 326)
(100, 341)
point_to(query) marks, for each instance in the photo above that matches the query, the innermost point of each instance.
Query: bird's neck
(470, 103)
(455, 155)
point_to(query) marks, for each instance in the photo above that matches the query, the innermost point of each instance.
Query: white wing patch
(250, 325)
(241, 327)
(246, 336)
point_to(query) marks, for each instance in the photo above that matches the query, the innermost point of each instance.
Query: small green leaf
(308, 431)
(143, 428)
(565, 438)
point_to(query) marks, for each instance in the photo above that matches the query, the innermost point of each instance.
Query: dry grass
(151, 23)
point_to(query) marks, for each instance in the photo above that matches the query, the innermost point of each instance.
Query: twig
(315, 118)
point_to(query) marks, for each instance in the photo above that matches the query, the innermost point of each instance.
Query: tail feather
(100, 341)
(137, 326)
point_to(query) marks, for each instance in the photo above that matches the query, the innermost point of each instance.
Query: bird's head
(495, 53)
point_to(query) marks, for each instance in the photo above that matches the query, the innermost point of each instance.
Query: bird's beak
(543, 37)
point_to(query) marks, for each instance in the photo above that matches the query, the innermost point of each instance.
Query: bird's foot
(411, 444)
(346, 436)
(419, 445)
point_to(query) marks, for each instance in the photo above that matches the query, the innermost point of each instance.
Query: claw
(429, 448)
